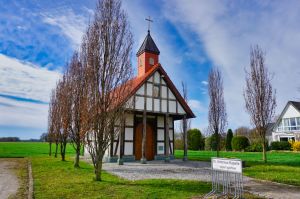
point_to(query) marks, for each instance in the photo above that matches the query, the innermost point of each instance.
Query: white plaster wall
(160, 145)
(149, 104)
(171, 96)
(128, 133)
(156, 105)
(164, 105)
(149, 89)
(160, 134)
(128, 150)
(156, 77)
(172, 106)
(164, 91)
(163, 82)
(139, 103)
(160, 121)
(141, 90)
(180, 109)
(291, 112)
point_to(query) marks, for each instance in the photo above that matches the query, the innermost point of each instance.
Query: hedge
(281, 145)
(239, 143)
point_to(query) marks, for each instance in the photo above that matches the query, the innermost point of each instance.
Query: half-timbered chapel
(156, 105)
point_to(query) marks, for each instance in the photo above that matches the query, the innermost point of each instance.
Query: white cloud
(196, 105)
(227, 30)
(73, 26)
(23, 114)
(26, 80)
(204, 82)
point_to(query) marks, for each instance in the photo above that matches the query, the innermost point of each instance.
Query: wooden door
(149, 149)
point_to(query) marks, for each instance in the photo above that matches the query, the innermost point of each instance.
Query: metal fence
(226, 184)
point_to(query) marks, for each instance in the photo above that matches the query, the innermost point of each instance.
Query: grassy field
(282, 167)
(56, 179)
(27, 149)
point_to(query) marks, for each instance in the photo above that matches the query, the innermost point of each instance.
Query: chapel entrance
(149, 148)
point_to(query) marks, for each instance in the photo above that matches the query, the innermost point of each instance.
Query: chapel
(157, 103)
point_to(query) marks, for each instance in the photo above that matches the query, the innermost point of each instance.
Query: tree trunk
(218, 144)
(63, 151)
(185, 141)
(56, 148)
(76, 161)
(264, 151)
(98, 171)
(50, 148)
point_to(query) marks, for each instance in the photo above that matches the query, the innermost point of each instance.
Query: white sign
(225, 164)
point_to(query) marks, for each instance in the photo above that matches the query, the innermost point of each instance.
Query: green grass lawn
(282, 167)
(56, 179)
(27, 149)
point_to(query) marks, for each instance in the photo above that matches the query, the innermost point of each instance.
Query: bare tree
(64, 103)
(260, 98)
(78, 106)
(105, 55)
(54, 122)
(217, 116)
(185, 123)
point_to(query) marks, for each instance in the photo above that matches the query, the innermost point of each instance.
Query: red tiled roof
(137, 82)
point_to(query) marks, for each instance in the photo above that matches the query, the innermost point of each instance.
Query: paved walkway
(196, 170)
(8, 180)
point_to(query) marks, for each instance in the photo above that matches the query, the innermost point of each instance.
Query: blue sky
(38, 37)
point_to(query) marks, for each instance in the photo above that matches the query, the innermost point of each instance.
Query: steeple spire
(148, 45)
(148, 54)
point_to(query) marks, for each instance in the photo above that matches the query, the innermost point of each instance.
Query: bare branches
(217, 116)
(105, 55)
(259, 95)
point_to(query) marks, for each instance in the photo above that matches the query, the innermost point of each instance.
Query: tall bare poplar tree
(259, 95)
(106, 51)
(217, 116)
(185, 124)
(78, 108)
(64, 103)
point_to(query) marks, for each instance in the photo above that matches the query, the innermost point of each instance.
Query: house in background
(156, 105)
(287, 126)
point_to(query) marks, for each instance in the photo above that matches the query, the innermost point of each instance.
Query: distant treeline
(16, 139)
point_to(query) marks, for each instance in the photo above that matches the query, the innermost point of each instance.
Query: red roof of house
(137, 82)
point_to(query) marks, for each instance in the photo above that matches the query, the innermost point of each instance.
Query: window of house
(140, 62)
(151, 61)
(156, 91)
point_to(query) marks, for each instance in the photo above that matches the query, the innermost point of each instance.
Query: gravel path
(8, 180)
(196, 170)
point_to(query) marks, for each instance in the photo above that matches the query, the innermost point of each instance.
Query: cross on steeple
(149, 21)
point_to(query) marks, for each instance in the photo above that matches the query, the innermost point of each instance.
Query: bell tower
(147, 55)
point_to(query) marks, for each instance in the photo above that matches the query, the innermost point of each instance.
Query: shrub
(296, 146)
(195, 139)
(254, 147)
(281, 145)
(239, 143)
(228, 140)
